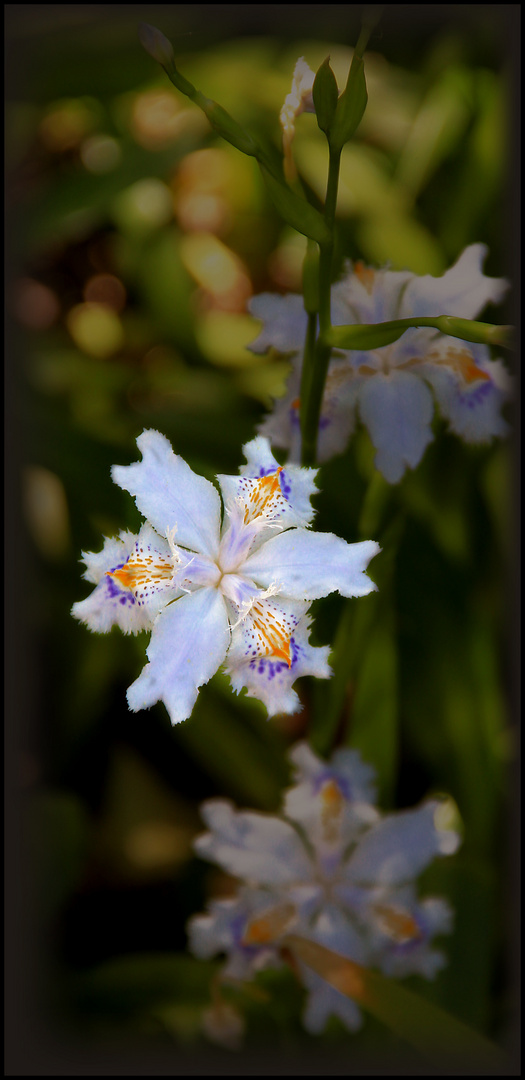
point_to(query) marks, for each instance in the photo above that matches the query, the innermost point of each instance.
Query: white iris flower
(300, 99)
(237, 593)
(331, 869)
(393, 388)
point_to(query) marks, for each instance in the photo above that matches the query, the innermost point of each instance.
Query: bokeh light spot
(100, 154)
(46, 511)
(145, 205)
(96, 329)
(105, 289)
(35, 305)
(66, 124)
(217, 269)
(157, 118)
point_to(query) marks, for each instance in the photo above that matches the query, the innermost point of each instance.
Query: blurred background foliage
(136, 238)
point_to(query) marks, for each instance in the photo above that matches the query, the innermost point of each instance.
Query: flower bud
(156, 44)
(325, 95)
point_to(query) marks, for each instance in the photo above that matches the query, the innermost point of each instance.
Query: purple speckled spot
(285, 485)
(112, 588)
(295, 650)
(477, 396)
(237, 926)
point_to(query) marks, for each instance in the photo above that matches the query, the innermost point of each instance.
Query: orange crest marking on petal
(366, 276)
(262, 497)
(462, 361)
(332, 802)
(142, 568)
(400, 925)
(269, 926)
(272, 631)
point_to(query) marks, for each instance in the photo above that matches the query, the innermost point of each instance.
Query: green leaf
(464, 986)
(437, 130)
(325, 95)
(375, 335)
(137, 982)
(374, 708)
(296, 211)
(234, 745)
(372, 336)
(311, 279)
(351, 105)
(158, 46)
(431, 1030)
(226, 126)
(469, 330)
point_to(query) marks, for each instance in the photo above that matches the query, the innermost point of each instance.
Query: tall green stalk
(311, 404)
(338, 118)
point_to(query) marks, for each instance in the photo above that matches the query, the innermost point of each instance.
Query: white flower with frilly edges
(300, 99)
(393, 388)
(331, 869)
(236, 592)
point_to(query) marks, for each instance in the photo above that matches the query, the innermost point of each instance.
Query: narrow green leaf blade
(296, 211)
(375, 335)
(429, 1029)
(158, 46)
(371, 336)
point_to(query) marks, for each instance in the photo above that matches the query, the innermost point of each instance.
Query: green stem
(375, 335)
(311, 404)
(308, 362)
(369, 22)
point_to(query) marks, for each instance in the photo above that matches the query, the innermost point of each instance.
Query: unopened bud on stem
(156, 44)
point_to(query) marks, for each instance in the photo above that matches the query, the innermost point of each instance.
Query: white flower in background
(299, 100)
(223, 1024)
(331, 869)
(393, 389)
(237, 593)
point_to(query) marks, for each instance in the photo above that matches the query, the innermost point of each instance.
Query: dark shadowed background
(119, 200)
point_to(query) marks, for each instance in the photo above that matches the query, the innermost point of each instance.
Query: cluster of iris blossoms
(393, 388)
(332, 869)
(234, 591)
